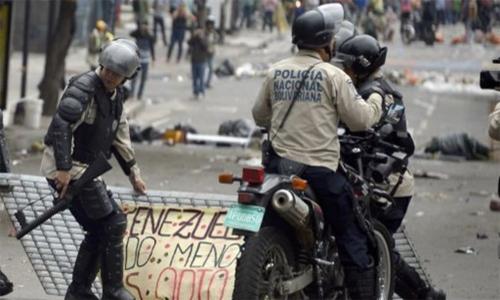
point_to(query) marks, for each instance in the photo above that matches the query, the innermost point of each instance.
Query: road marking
(429, 107)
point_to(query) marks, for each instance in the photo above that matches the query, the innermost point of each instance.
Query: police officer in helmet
(306, 142)
(90, 119)
(362, 57)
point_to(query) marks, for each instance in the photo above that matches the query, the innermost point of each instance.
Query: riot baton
(96, 169)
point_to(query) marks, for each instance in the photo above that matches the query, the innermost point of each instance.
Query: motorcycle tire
(385, 264)
(266, 257)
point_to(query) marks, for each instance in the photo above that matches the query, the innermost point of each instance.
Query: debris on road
(495, 205)
(239, 128)
(37, 147)
(460, 144)
(467, 250)
(429, 174)
(251, 70)
(481, 236)
(225, 69)
(419, 214)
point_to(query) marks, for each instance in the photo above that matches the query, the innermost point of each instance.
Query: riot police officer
(301, 102)
(90, 119)
(362, 57)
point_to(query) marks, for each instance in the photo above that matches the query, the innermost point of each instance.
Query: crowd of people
(191, 24)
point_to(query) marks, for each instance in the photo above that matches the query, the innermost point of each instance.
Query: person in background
(145, 42)
(269, 7)
(141, 11)
(198, 46)
(99, 37)
(246, 18)
(212, 38)
(158, 20)
(180, 22)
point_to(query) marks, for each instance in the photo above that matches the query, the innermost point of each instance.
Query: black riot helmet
(362, 54)
(316, 28)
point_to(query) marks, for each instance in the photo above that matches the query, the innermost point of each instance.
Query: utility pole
(27, 12)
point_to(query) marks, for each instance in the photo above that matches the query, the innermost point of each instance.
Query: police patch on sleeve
(352, 89)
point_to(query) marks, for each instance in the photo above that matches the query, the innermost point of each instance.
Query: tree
(55, 57)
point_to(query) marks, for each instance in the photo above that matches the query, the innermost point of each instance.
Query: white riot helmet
(120, 56)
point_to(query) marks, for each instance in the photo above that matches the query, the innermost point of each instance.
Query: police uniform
(309, 137)
(494, 127)
(401, 186)
(90, 120)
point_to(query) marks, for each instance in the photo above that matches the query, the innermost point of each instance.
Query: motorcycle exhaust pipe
(293, 209)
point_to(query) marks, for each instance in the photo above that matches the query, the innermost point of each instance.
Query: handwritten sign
(179, 253)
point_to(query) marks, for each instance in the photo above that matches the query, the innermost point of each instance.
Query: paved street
(445, 215)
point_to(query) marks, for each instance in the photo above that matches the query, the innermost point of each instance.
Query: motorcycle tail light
(253, 175)
(245, 198)
(299, 184)
(226, 178)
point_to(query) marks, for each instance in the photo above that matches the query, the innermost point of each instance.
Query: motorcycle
(289, 250)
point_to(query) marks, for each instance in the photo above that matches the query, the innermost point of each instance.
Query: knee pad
(96, 201)
(114, 227)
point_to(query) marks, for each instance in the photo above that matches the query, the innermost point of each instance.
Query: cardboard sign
(179, 253)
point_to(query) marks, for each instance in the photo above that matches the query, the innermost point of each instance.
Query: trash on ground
(460, 144)
(467, 250)
(419, 214)
(251, 70)
(37, 147)
(225, 69)
(219, 140)
(151, 134)
(481, 236)
(135, 133)
(239, 128)
(495, 205)
(429, 174)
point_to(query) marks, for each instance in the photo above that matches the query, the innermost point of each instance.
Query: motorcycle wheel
(266, 259)
(385, 266)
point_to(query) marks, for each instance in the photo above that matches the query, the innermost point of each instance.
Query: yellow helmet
(101, 25)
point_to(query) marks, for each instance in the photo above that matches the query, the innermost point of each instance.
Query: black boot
(409, 285)
(360, 283)
(6, 286)
(84, 272)
(112, 262)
